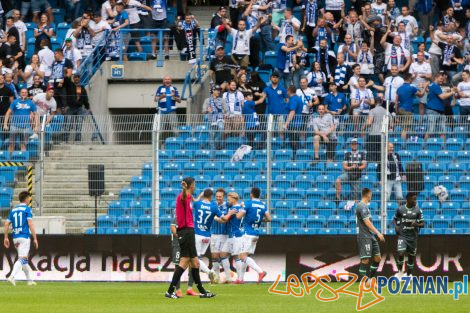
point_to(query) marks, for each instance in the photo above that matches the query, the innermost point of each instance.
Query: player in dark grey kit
(408, 220)
(366, 238)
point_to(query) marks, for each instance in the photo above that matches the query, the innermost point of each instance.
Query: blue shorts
(37, 5)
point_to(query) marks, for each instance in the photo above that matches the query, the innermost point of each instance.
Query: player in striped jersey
(235, 233)
(219, 241)
(206, 211)
(253, 213)
(21, 220)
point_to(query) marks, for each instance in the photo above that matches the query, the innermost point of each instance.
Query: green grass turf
(148, 297)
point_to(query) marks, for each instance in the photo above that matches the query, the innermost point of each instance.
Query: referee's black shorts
(187, 241)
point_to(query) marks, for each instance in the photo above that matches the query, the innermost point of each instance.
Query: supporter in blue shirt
(276, 96)
(436, 96)
(294, 119)
(406, 95)
(335, 101)
(166, 96)
(252, 123)
(23, 114)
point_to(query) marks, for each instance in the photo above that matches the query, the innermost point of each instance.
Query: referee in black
(186, 238)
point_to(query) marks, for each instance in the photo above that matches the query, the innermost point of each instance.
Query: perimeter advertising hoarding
(147, 258)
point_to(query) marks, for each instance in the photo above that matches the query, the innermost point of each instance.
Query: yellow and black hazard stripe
(11, 164)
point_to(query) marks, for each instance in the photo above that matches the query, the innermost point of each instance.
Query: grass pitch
(148, 297)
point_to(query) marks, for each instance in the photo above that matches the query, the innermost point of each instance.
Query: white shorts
(249, 244)
(22, 245)
(219, 243)
(202, 243)
(235, 245)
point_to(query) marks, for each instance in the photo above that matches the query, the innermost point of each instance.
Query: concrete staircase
(66, 179)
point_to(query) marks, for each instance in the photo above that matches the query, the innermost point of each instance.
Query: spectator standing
(37, 87)
(395, 174)
(451, 55)
(10, 29)
(335, 102)
(43, 30)
(257, 85)
(222, 68)
(309, 99)
(252, 120)
(421, 75)
(342, 72)
(216, 108)
(21, 112)
(435, 107)
(108, 10)
(277, 102)
(158, 11)
(289, 26)
(326, 59)
(324, 127)
(38, 6)
(349, 50)
(166, 97)
(335, 7)
(405, 96)
(61, 74)
(373, 127)
(234, 99)
(390, 87)
(395, 54)
(362, 99)
(6, 97)
(21, 26)
(72, 54)
(78, 108)
(294, 121)
(99, 27)
(317, 79)
(353, 165)
(11, 51)
(159, 17)
(409, 22)
(463, 89)
(46, 106)
(365, 58)
(217, 23)
(285, 59)
(9, 82)
(84, 34)
(30, 71)
(311, 11)
(121, 20)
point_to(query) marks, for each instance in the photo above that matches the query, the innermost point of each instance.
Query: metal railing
(146, 156)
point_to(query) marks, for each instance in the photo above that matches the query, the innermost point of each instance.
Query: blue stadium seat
(283, 181)
(415, 145)
(435, 144)
(277, 168)
(326, 205)
(242, 181)
(20, 156)
(212, 168)
(293, 167)
(185, 132)
(464, 182)
(304, 155)
(327, 231)
(460, 132)
(126, 221)
(440, 221)
(58, 15)
(169, 193)
(146, 194)
(426, 156)
(222, 181)
(445, 156)
(106, 221)
(232, 143)
(183, 155)
(137, 56)
(277, 193)
(334, 168)
(436, 168)
(406, 155)
(90, 231)
(447, 181)
(463, 156)
(430, 231)
(456, 169)
(304, 208)
(4, 156)
(62, 29)
(223, 155)
(430, 205)
(295, 194)
(115, 208)
(271, 59)
(173, 143)
(164, 223)
(458, 194)
(192, 169)
(454, 144)
(429, 182)
(129, 194)
(203, 155)
(277, 143)
(192, 144)
(254, 168)
(115, 231)
(259, 155)
(337, 221)
(137, 208)
(232, 168)
(461, 222)
(304, 182)
(294, 222)
(147, 170)
(260, 180)
(368, 181)
(316, 221)
(56, 43)
(325, 181)
(140, 182)
(283, 155)
(277, 221)
(145, 221)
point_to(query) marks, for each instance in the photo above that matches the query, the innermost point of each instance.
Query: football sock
(190, 279)
(363, 270)
(203, 267)
(242, 270)
(27, 271)
(238, 266)
(176, 278)
(373, 269)
(410, 265)
(251, 263)
(226, 266)
(216, 266)
(16, 268)
(197, 280)
(400, 261)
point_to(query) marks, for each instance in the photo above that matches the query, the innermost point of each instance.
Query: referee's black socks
(176, 278)
(197, 280)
